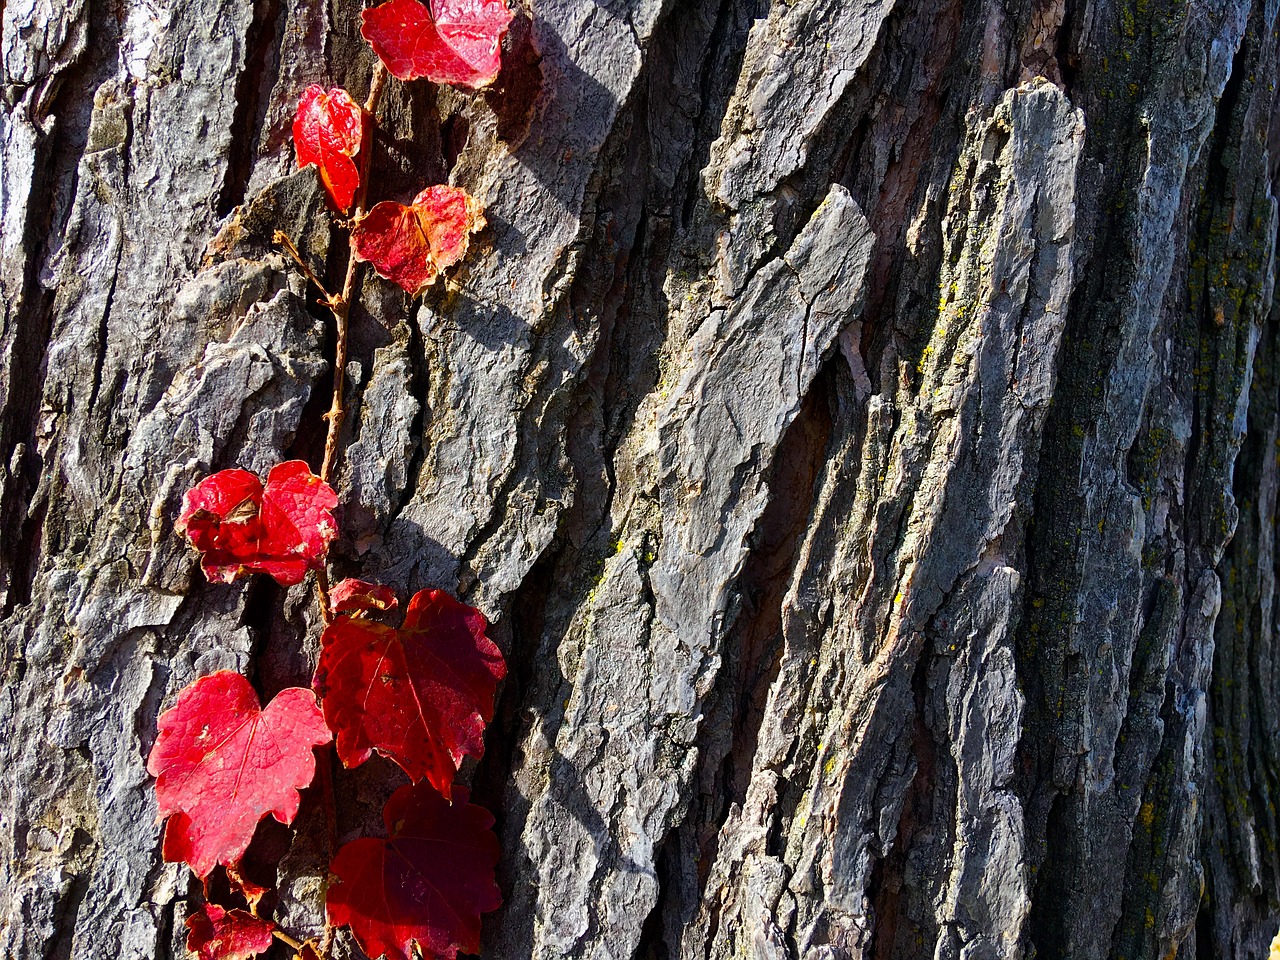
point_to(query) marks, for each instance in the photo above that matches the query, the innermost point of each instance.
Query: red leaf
(420, 695)
(240, 527)
(356, 596)
(411, 245)
(329, 130)
(429, 882)
(222, 763)
(218, 934)
(461, 44)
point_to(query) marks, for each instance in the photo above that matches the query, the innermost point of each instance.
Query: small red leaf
(411, 245)
(240, 527)
(420, 695)
(222, 763)
(427, 883)
(356, 596)
(461, 44)
(329, 130)
(218, 934)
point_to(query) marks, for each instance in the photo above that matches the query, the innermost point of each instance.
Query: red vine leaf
(241, 527)
(357, 596)
(218, 934)
(427, 883)
(222, 763)
(420, 695)
(461, 44)
(330, 131)
(411, 245)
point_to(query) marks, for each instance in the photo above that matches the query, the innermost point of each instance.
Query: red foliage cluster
(222, 763)
(420, 694)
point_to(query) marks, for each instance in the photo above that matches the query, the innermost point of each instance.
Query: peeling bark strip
(858, 420)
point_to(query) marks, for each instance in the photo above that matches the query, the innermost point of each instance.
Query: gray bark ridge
(664, 601)
(960, 465)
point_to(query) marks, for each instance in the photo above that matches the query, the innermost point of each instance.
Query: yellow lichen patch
(1146, 813)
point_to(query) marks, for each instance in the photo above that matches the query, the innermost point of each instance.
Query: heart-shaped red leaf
(222, 763)
(361, 596)
(330, 131)
(460, 44)
(427, 883)
(410, 246)
(241, 527)
(218, 934)
(420, 695)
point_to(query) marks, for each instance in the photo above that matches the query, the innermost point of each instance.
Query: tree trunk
(859, 420)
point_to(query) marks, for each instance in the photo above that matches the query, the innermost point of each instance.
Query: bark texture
(859, 419)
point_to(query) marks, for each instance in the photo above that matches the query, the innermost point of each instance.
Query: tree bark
(859, 420)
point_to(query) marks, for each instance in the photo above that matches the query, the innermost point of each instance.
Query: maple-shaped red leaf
(410, 246)
(240, 527)
(460, 44)
(427, 883)
(222, 763)
(218, 934)
(356, 596)
(330, 131)
(420, 695)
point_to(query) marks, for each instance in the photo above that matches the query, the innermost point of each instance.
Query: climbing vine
(420, 694)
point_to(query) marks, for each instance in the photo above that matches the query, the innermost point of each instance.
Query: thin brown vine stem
(342, 307)
(322, 596)
(378, 81)
(337, 412)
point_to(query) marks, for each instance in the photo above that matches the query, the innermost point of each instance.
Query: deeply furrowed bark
(860, 421)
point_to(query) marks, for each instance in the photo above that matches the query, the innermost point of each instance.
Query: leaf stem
(289, 247)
